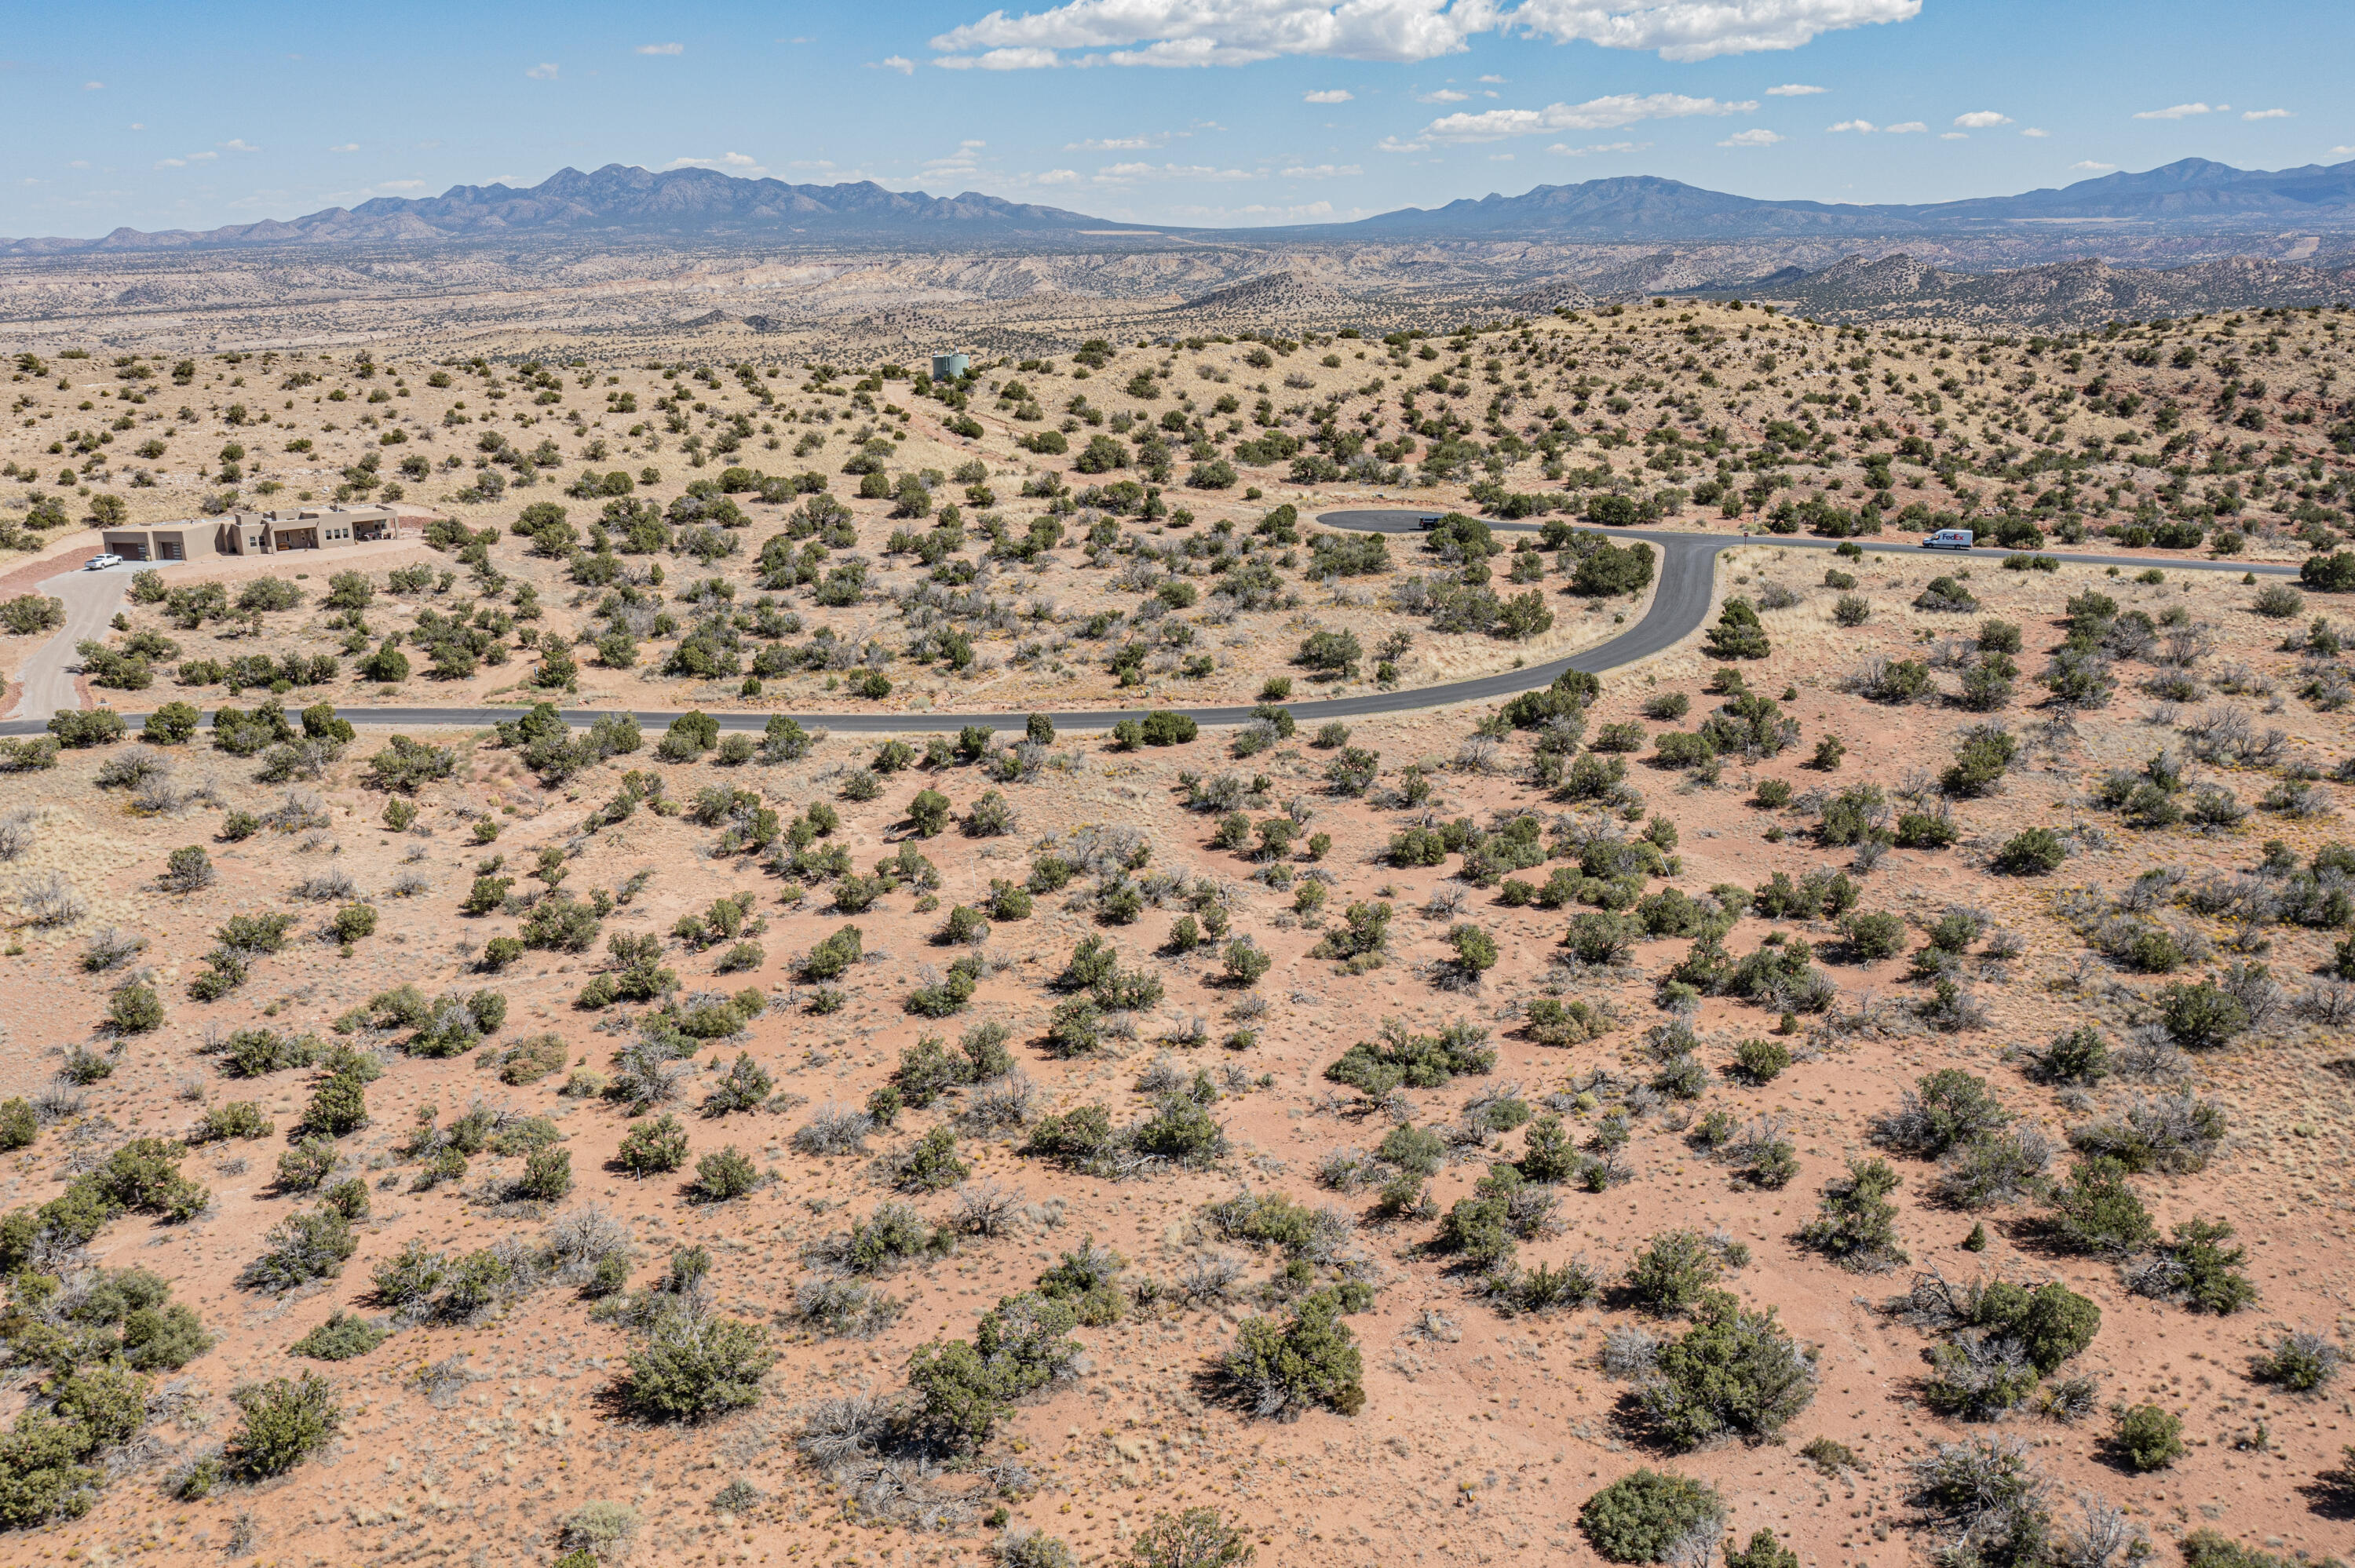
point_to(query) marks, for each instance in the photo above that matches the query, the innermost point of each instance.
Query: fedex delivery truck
(1947, 539)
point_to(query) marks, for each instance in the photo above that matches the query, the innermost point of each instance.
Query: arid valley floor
(1884, 1058)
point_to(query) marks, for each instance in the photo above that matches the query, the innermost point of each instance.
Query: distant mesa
(1284, 294)
(1557, 294)
(2086, 290)
(622, 201)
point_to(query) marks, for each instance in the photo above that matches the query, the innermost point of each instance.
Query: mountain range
(2193, 193)
(622, 202)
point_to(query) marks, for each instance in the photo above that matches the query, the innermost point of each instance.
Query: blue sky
(1181, 111)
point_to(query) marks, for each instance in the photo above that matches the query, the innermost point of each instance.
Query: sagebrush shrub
(1673, 1272)
(653, 1146)
(2300, 1361)
(2098, 1212)
(1198, 1538)
(1944, 1109)
(286, 1421)
(726, 1174)
(1991, 1497)
(1734, 1372)
(2148, 1437)
(302, 1247)
(1311, 1358)
(306, 1167)
(2175, 1133)
(693, 1367)
(1856, 1224)
(342, 1336)
(1646, 1516)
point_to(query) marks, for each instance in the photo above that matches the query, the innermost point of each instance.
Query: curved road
(46, 684)
(1686, 579)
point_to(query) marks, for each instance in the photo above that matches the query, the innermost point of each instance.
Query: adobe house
(325, 528)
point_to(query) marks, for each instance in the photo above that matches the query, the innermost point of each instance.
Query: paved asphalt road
(1687, 569)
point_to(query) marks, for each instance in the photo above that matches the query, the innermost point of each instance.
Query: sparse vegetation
(1132, 1011)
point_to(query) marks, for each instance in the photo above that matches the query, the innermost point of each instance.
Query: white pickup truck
(1947, 539)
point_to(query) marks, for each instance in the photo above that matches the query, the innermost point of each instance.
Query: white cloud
(136, 126)
(202, 157)
(239, 145)
(1306, 212)
(2036, 131)
(93, 87)
(728, 162)
(401, 186)
(1392, 145)
(1751, 138)
(1704, 29)
(1981, 119)
(1954, 136)
(1234, 32)
(1180, 54)
(2175, 111)
(344, 147)
(2340, 153)
(1865, 125)
(1121, 144)
(1444, 95)
(900, 63)
(1130, 174)
(1795, 90)
(995, 59)
(1321, 172)
(661, 50)
(1328, 95)
(171, 162)
(963, 163)
(1493, 80)
(1909, 128)
(1057, 177)
(2092, 167)
(2267, 114)
(1181, 33)
(1594, 114)
(1569, 152)
(544, 71)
